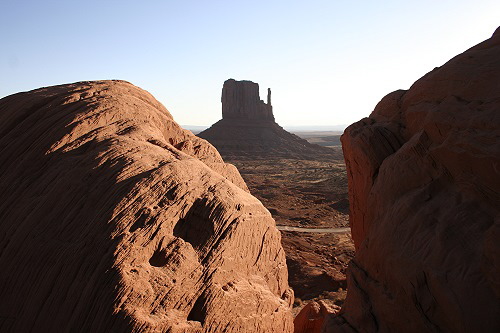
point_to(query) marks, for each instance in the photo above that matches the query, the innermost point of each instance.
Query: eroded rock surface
(248, 128)
(312, 316)
(424, 189)
(114, 219)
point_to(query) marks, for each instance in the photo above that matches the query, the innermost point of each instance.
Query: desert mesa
(115, 219)
(248, 127)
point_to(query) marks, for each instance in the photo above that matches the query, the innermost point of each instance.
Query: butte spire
(248, 126)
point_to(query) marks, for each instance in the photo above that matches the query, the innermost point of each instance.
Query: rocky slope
(424, 188)
(114, 219)
(248, 128)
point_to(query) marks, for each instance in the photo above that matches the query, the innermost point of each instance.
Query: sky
(327, 62)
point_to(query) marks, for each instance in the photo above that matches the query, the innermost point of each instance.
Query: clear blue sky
(327, 62)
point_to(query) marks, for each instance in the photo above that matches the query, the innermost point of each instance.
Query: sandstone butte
(114, 219)
(248, 127)
(424, 192)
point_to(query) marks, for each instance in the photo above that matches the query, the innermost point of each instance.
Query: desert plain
(309, 194)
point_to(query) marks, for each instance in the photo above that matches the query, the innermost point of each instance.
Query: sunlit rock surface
(114, 219)
(312, 316)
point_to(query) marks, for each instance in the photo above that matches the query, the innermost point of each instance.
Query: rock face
(248, 128)
(241, 100)
(312, 316)
(114, 219)
(424, 184)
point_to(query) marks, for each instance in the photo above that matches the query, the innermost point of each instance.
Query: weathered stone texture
(115, 219)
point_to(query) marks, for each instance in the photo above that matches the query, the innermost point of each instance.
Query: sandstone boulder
(312, 316)
(114, 219)
(424, 184)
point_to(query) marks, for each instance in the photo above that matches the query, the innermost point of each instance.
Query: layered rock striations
(424, 191)
(248, 128)
(114, 219)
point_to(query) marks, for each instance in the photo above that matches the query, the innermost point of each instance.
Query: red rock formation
(241, 100)
(424, 184)
(114, 219)
(312, 316)
(247, 127)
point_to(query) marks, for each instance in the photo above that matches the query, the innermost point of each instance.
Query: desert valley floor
(307, 193)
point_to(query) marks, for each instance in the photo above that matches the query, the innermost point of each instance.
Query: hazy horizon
(327, 63)
(297, 128)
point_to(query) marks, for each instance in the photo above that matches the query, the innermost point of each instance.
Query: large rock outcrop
(114, 219)
(241, 100)
(424, 190)
(248, 128)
